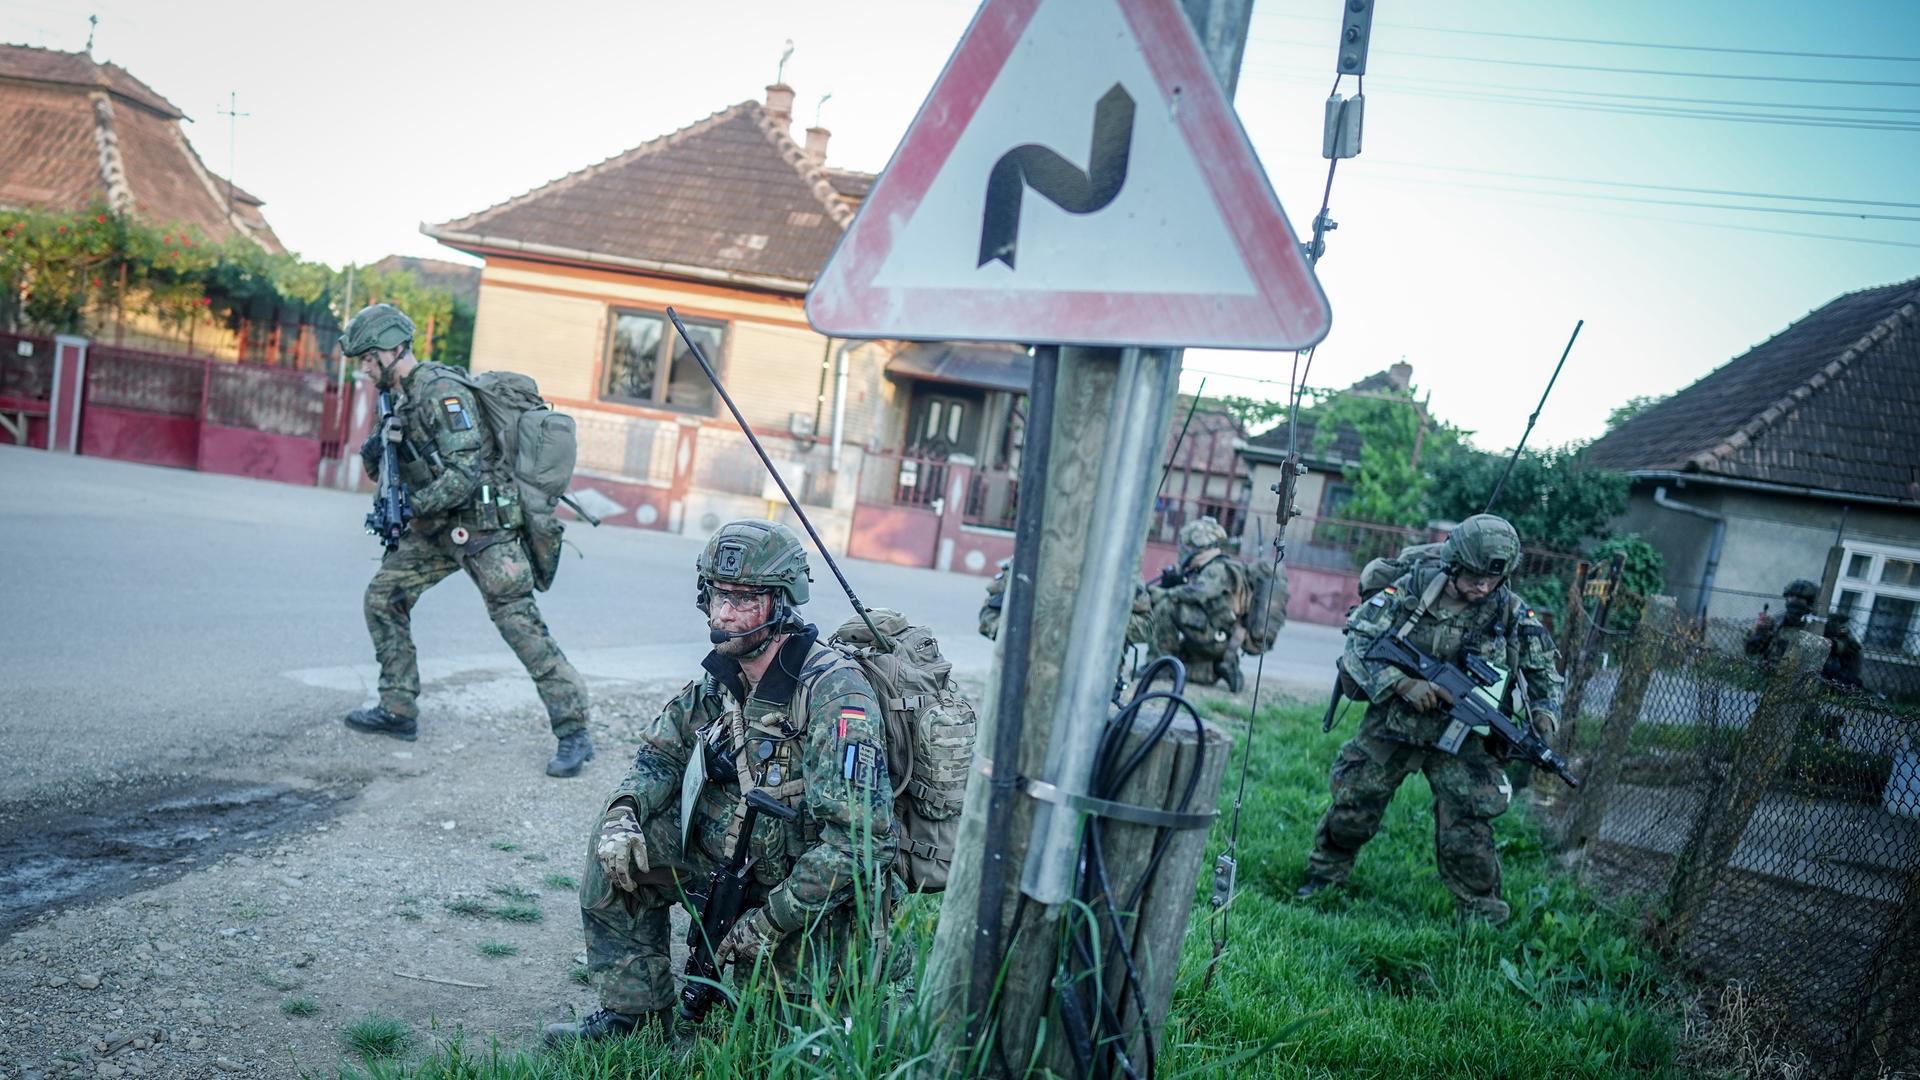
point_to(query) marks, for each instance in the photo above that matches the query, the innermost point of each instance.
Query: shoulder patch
(458, 418)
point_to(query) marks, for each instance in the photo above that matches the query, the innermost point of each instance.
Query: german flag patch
(854, 713)
(458, 418)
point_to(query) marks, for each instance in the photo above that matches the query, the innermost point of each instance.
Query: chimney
(817, 144)
(780, 104)
(1400, 375)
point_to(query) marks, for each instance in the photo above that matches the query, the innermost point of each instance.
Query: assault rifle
(719, 909)
(392, 504)
(1472, 707)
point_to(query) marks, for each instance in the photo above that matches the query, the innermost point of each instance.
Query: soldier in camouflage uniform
(1842, 667)
(466, 516)
(775, 710)
(1447, 610)
(996, 599)
(1198, 605)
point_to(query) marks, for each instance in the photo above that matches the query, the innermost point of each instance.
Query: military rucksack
(1383, 571)
(931, 730)
(539, 447)
(1266, 609)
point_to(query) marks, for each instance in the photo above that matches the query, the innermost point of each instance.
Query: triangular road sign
(1075, 177)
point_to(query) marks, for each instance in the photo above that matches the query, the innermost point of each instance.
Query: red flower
(63, 228)
(167, 239)
(96, 283)
(102, 219)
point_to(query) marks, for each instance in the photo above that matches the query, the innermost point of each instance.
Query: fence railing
(1765, 822)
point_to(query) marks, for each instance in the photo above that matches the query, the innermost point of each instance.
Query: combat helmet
(377, 326)
(1802, 589)
(1483, 544)
(1200, 534)
(757, 554)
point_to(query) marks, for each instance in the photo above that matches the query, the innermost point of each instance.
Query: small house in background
(1799, 458)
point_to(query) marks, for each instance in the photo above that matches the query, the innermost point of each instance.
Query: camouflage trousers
(1470, 789)
(630, 937)
(1180, 630)
(505, 579)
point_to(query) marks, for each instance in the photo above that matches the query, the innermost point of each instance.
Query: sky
(1505, 191)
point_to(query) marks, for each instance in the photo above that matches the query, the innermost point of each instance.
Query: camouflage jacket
(1213, 596)
(445, 455)
(1843, 662)
(1501, 629)
(830, 764)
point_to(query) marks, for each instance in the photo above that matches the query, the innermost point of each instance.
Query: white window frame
(1869, 587)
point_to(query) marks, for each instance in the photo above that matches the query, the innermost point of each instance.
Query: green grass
(581, 974)
(276, 981)
(1373, 981)
(498, 949)
(513, 892)
(468, 906)
(517, 913)
(299, 1006)
(375, 1036)
(248, 910)
(505, 845)
(561, 881)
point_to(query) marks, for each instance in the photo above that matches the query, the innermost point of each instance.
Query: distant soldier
(996, 599)
(466, 516)
(774, 709)
(1446, 608)
(1842, 669)
(1198, 605)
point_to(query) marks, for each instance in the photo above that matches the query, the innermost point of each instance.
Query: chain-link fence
(1764, 819)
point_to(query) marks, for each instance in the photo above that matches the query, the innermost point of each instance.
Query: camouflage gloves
(752, 937)
(1544, 723)
(1422, 695)
(622, 848)
(1171, 577)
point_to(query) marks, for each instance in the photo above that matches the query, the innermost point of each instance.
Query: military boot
(378, 721)
(1229, 673)
(575, 750)
(607, 1024)
(1313, 887)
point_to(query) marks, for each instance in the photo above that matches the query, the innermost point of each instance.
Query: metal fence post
(1764, 748)
(1643, 655)
(1890, 1000)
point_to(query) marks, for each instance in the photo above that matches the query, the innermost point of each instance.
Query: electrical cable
(1613, 43)
(1651, 187)
(1096, 1015)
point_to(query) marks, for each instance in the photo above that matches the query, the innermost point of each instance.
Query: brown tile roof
(28, 63)
(81, 132)
(1830, 403)
(728, 198)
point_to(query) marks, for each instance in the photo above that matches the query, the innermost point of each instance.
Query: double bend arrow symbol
(1056, 179)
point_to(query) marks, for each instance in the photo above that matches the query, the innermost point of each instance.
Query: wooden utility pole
(1087, 486)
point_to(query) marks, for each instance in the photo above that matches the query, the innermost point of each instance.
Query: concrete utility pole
(233, 114)
(1099, 417)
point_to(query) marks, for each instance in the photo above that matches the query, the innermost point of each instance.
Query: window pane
(1858, 565)
(932, 428)
(635, 353)
(1889, 623)
(687, 385)
(954, 416)
(1899, 572)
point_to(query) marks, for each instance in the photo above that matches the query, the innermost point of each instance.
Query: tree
(1399, 443)
(1551, 499)
(1255, 414)
(1633, 407)
(1643, 573)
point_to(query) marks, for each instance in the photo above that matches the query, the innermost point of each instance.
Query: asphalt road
(162, 623)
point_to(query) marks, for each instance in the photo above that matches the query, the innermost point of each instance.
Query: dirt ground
(254, 963)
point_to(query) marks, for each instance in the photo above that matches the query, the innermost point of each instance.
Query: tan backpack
(931, 730)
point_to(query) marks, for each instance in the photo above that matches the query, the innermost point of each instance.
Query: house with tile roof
(728, 221)
(1799, 456)
(80, 132)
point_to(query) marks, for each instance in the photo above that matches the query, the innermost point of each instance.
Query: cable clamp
(1131, 813)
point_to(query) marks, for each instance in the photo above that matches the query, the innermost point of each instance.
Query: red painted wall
(236, 452)
(148, 438)
(904, 535)
(1321, 596)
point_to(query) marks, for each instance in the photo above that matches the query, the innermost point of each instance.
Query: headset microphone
(719, 637)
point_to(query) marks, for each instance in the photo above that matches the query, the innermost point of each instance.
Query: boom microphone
(719, 637)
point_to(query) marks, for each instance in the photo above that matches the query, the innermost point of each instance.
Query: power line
(1598, 197)
(1862, 124)
(1558, 66)
(1475, 84)
(1647, 187)
(1561, 207)
(1625, 44)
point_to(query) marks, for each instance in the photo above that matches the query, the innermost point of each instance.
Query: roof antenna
(819, 105)
(780, 73)
(93, 23)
